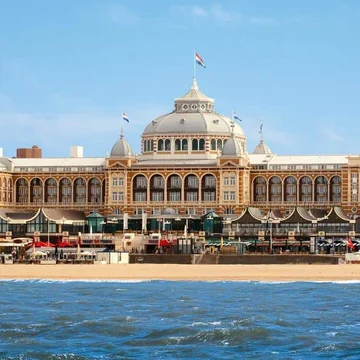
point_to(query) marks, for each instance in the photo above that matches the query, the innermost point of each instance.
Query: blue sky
(69, 68)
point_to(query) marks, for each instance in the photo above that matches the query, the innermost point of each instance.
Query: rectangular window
(141, 182)
(193, 182)
(140, 196)
(191, 211)
(226, 181)
(209, 181)
(209, 196)
(175, 182)
(226, 195)
(121, 181)
(121, 196)
(174, 196)
(158, 182)
(232, 180)
(115, 196)
(192, 196)
(157, 196)
(232, 195)
(115, 181)
(66, 191)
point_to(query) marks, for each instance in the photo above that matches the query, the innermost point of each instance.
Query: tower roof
(121, 148)
(262, 148)
(193, 114)
(232, 148)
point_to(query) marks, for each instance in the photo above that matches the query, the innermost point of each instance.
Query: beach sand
(183, 272)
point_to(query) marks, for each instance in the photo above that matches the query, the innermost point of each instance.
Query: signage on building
(321, 233)
(97, 241)
(8, 235)
(351, 233)
(291, 235)
(261, 235)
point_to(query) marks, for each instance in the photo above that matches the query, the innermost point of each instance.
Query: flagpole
(194, 74)
(122, 126)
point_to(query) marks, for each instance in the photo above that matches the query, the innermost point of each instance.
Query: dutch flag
(125, 117)
(199, 60)
(235, 117)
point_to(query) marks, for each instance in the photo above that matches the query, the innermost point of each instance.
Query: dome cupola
(232, 148)
(121, 148)
(262, 148)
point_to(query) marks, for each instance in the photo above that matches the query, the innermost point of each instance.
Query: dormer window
(182, 121)
(216, 121)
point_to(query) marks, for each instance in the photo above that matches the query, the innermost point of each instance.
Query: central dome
(193, 114)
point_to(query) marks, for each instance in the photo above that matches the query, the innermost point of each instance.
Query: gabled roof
(95, 215)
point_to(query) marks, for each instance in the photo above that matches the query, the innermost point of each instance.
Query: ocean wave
(40, 280)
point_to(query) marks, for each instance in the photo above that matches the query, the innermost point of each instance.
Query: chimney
(76, 151)
(34, 152)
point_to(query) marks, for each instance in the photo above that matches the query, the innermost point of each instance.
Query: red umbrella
(164, 243)
(63, 244)
(43, 244)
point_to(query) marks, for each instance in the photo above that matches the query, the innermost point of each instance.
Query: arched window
(219, 144)
(161, 145)
(260, 189)
(275, 189)
(213, 144)
(195, 145)
(145, 145)
(139, 188)
(305, 189)
(335, 189)
(177, 145)
(167, 145)
(321, 189)
(290, 189)
(184, 145)
(201, 144)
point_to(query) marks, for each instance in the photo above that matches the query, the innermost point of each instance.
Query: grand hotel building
(192, 160)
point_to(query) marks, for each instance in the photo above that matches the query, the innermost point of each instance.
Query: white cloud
(333, 135)
(220, 14)
(199, 11)
(97, 130)
(262, 20)
(120, 14)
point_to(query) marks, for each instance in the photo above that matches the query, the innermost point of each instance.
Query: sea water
(179, 320)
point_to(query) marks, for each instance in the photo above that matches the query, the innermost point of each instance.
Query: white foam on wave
(130, 281)
(76, 280)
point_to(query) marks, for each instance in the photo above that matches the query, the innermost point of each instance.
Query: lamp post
(63, 219)
(270, 221)
(48, 231)
(103, 223)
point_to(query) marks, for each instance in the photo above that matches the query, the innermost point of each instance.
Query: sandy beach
(183, 272)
